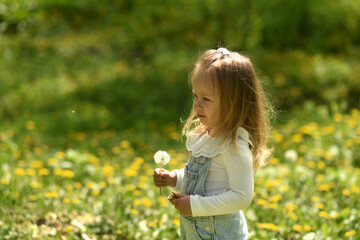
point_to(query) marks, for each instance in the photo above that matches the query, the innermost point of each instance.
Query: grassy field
(90, 90)
(100, 185)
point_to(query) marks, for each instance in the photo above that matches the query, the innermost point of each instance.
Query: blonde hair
(242, 101)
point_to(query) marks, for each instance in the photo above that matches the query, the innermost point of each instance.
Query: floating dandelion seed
(73, 111)
(162, 158)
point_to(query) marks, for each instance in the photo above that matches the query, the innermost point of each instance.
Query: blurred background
(102, 77)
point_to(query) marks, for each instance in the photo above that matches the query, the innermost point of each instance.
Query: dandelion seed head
(162, 157)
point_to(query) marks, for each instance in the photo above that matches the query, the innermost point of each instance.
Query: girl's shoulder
(202, 144)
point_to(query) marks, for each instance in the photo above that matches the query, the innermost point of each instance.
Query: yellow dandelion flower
(137, 193)
(315, 199)
(338, 117)
(323, 187)
(139, 160)
(35, 184)
(142, 185)
(349, 142)
(30, 125)
(51, 194)
(320, 205)
(176, 222)
(30, 172)
(52, 161)
(108, 171)
(290, 207)
(355, 189)
(19, 171)
(94, 160)
(131, 187)
(271, 205)
(268, 226)
(38, 151)
(134, 211)
(323, 214)
(329, 129)
(37, 164)
(144, 179)
(346, 192)
(125, 144)
(320, 177)
(78, 185)
(350, 233)
(307, 228)
(69, 188)
(328, 155)
(275, 198)
(297, 228)
(284, 188)
(116, 150)
(334, 214)
(270, 183)
(32, 198)
(293, 216)
(321, 165)
(129, 172)
(43, 171)
(296, 138)
(119, 232)
(90, 185)
(110, 181)
(16, 155)
(147, 202)
(261, 202)
(5, 181)
(163, 201)
(95, 192)
(278, 137)
(137, 202)
(60, 155)
(76, 200)
(274, 161)
(67, 200)
(68, 173)
(68, 228)
(58, 171)
(311, 164)
(102, 185)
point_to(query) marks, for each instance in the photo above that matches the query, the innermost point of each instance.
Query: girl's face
(205, 104)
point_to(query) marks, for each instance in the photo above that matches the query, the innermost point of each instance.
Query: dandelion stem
(160, 171)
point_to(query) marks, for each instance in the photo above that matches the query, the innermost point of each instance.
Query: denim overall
(230, 226)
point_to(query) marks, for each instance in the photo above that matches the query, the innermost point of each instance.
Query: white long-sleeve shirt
(229, 185)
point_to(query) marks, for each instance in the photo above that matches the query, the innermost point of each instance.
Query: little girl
(226, 137)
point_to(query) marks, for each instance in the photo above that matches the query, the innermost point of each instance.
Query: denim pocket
(190, 181)
(203, 229)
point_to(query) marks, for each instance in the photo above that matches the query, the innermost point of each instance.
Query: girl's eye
(206, 99)
(194, 95)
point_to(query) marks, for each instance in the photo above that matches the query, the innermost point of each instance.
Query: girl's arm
(239, 169)
(179, 180)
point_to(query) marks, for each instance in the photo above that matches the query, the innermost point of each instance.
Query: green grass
(100, 183)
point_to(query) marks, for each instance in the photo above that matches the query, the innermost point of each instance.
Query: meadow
(101, 187)
(90, 90)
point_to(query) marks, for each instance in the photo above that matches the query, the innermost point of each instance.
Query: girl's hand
(182, 204)
(164, 178)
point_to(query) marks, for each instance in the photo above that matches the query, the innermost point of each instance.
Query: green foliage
(87, 87)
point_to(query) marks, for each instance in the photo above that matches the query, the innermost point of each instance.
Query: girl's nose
(196, 104)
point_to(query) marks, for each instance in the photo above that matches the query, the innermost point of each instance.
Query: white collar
(202, 144)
